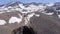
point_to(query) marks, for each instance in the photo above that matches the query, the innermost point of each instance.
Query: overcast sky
(28, 1)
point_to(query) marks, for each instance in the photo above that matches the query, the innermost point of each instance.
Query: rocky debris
(24, 30)
(16, 18)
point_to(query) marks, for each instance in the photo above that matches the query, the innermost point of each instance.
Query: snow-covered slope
(12, 10)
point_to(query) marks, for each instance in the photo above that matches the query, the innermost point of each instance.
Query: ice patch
(27, 18)
(8, 11)
(2, 12)
(2, 22)
(59, 16)
(21, 5)
(37, 15)
(9, 7)
(26, 21)
(5, 9)
(24, 12)
(49, 13)
(44, 12)
(17, 9)
(31, 15)
(14, 20)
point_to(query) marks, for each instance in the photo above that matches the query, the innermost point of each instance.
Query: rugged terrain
(30, 18)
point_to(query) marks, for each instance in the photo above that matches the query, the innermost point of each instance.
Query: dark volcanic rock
(23, 30)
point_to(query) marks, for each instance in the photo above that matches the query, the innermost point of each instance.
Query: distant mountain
(28, 9)
(44, 18)
(48, 8)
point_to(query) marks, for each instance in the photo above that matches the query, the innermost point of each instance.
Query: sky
(28, 1)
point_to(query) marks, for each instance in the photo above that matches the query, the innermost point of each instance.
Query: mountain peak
(13, 3)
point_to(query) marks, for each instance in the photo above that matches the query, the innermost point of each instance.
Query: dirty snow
(14, 20)
(59, 16)
(49, 13)
(37, 15)
(2, 22)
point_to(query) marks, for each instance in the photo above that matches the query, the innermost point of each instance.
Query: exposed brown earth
(7, 15)
(42, 25)
(46, 25)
